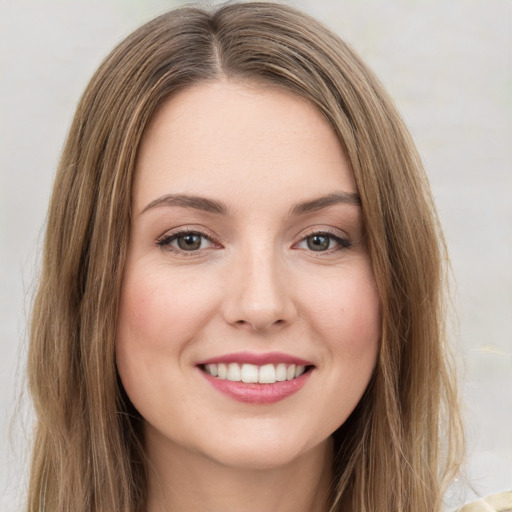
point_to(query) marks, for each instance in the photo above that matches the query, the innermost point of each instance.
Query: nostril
(259, 324)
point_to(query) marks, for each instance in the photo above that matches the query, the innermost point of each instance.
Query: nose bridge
(258, 294)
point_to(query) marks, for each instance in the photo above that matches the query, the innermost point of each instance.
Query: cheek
(161, 309)
(146, 313)
(346, 310)
(160, 315)
(342, 314)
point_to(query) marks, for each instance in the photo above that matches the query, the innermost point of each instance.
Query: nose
(257, 292)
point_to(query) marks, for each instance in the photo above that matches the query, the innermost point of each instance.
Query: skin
(252, 284)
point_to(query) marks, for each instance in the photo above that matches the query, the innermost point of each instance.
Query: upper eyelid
(343, 240)
(199, 230)
(174, 236)
(166, 243)
(336, 233)
(332, 231)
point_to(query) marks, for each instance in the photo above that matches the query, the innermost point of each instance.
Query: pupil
(189, 242)
(318, 243)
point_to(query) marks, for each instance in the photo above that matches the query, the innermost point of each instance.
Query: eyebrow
(219, 208)
(188, 201)
(326, 201)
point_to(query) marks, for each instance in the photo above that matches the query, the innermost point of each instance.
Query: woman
(240, 304)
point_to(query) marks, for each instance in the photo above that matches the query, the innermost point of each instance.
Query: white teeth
(281, 372)
(251, 373)
(234, 373)
(222, 371)
(267, 374)
(212, 369)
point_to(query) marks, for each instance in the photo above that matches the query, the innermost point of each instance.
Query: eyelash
(342, 243)
(165, 242)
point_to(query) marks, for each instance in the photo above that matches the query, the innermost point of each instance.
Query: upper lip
(258, 359)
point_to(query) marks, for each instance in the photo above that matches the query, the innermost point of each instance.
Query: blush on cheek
(143, 307)
(137, 310)
(137, 297)
(157, 318)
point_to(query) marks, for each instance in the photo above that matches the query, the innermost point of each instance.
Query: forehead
(243, 138)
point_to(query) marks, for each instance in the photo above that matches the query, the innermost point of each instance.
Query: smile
(254, 374)
(257, 378)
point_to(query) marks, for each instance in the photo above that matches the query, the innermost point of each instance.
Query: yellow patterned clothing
(501, 502)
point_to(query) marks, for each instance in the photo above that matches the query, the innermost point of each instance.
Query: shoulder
(501, 502)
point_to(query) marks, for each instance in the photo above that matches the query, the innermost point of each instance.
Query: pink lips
(258, 359)
(257, 393)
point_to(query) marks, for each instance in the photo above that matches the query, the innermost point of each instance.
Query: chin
(260, 452)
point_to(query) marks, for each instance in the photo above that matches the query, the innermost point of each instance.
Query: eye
(185, 241)
(323, 242)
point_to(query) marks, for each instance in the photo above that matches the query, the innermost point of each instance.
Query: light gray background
(447, 64)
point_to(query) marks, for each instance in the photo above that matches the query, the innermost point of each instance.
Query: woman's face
(249, 317)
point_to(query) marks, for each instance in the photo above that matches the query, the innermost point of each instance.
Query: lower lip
(257, 393)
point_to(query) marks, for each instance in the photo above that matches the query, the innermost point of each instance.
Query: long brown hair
(404, 439)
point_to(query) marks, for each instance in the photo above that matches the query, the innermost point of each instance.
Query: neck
(181, 481)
